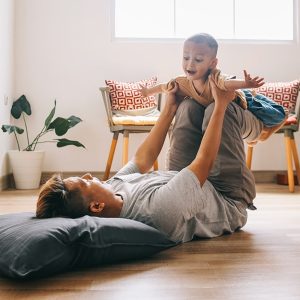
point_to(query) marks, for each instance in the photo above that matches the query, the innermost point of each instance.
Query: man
(180, 204)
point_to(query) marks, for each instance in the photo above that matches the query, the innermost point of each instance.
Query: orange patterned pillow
(126, 95)
(284, 93)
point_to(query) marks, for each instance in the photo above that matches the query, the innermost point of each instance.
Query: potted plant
(27, 162)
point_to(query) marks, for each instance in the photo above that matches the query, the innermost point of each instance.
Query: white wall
(64, 51)
(6, 76)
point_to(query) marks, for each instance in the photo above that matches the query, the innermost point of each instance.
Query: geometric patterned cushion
(284, 93)
(126, 95)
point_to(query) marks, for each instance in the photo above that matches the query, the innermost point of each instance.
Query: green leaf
(74, 121)
(19, 106)
(51, 115)
(10, 129)
(66, 142)
(60, 125)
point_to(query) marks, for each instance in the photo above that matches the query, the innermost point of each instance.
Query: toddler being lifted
(199, 64)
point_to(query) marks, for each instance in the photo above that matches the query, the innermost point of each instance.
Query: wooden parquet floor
(262, 261)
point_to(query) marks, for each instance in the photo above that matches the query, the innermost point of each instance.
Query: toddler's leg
(272, 114)
(186, 135)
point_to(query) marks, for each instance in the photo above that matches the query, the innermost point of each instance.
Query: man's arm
(149, 150)
(247, 83)
(211, 140)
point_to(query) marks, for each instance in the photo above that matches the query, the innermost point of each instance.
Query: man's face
(197, 60)
(91, 188)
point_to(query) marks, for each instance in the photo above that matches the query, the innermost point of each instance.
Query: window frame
(295, 40)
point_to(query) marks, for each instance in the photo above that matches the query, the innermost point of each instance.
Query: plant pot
(27, 168)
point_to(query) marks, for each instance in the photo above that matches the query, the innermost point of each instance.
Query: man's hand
(255, 82)
(172, 101)
(221, 97)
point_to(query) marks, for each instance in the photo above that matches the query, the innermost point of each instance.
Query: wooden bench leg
(296, 158)
(111, 155)
(125, 147)
(249, 157)
(288, 150)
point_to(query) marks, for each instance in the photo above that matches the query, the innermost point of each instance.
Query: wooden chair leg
(296, 158)
(155, 166)
(125, 147)
(111, 155)
(249, 157)
(288, 150)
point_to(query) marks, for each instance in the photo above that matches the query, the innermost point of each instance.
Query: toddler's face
(197, 60)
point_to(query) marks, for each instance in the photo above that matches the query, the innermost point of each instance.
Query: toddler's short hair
(204, 38)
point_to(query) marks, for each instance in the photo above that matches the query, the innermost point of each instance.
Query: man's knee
(186, 135)
(189, 113)
(231, 115)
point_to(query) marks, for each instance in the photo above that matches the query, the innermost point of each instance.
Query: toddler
(199, 65)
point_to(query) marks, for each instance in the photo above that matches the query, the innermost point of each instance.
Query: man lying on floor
(205, 194)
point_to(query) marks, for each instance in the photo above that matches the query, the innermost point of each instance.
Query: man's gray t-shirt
(176, 204)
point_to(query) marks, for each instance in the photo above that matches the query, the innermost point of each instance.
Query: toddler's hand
(143, 90)
(253, 82)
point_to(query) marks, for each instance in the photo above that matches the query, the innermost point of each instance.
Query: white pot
(27, 168)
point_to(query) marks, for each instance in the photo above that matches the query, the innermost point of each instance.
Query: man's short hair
(56, 201)
(204, 38)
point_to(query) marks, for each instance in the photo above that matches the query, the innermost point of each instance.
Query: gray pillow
(31, 247)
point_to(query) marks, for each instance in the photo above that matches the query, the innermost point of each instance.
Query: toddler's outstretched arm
(247, 83)
(159, 88)
(151, 91)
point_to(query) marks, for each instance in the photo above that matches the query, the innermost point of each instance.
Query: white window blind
(224, 19)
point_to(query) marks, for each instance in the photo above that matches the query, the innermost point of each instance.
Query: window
(224, 19)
